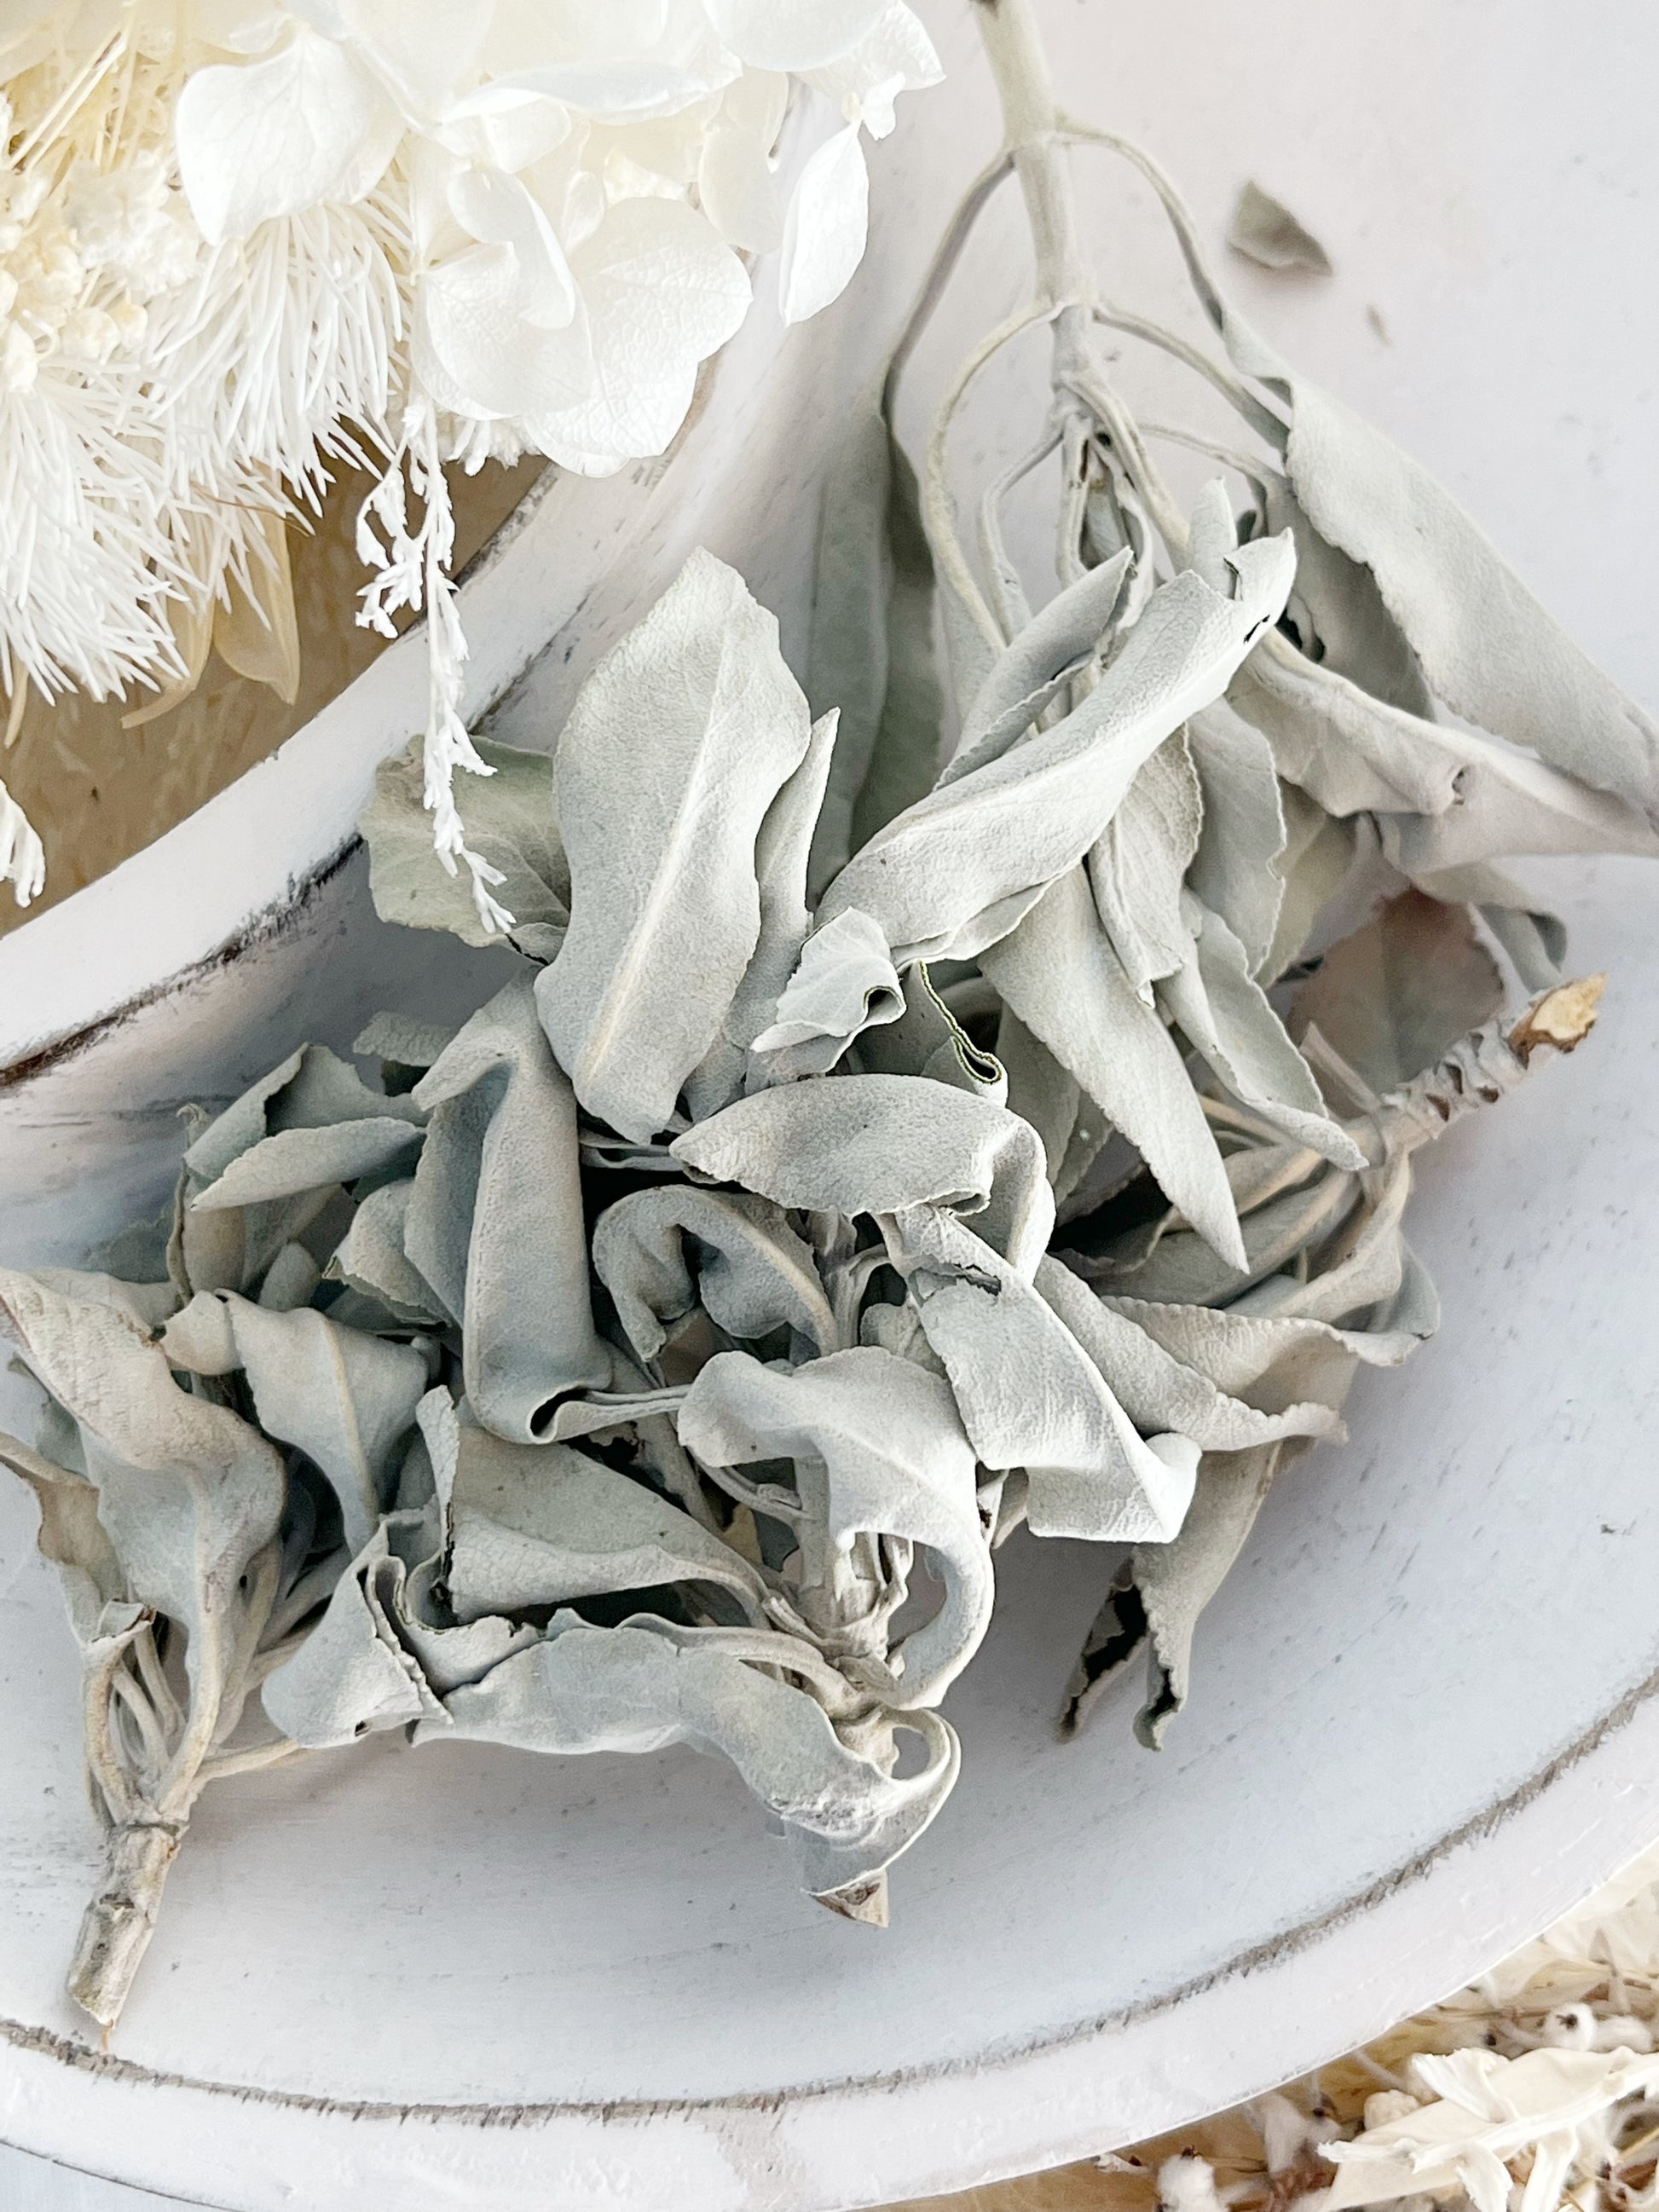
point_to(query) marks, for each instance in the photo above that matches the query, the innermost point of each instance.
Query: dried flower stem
(1479, 1070)
(148, 1796)
(1020, 68)
(118, 1922)
(1086, 407)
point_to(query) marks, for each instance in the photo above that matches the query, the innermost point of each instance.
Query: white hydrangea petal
(497, 209)
(736, 187)
(633, 26)
(624, 89)
(875, 112)
(511, 138)
(326, 17)
(757, 102)
(476, 354)
(621, 87)
(238, 27)
(627, 57)
(421, 49)
(429, 168)
(663, 294)
(793, 34)
(585, 206)
(898, 56)
(524, 31)
(655, 154)
(827, 222)
(270, 137)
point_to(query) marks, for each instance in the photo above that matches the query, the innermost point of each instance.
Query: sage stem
(1020, 68)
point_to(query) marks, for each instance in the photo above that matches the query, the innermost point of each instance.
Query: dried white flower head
(240, 242)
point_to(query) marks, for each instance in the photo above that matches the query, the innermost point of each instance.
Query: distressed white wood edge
(1433, 1924)
(255, 843)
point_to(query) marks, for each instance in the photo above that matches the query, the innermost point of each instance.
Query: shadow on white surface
(34, 2185)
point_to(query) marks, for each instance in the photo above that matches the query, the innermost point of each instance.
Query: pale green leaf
(508, 820)
(676, 746)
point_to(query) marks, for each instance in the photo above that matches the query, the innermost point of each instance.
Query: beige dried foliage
(1562, 1018)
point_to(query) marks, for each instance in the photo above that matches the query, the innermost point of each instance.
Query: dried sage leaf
(882, 1441)
(1227, 1018)
(495, 1220)
(345, 1399)
(1030, 1395)
(956, 871)
(676, 748)
(1137, 869)
(507, 816)
(1161, 1589)
(662, 1254)
(1487, 648)
(872, 1144)
(1043, 656)
(1237, 868)
(1395, 994)
(542, 1524)
(1058, 971)
(647, 1684)
(781, 852)
(1265, 231)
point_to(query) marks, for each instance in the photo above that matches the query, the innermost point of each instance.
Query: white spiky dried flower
(241, 243)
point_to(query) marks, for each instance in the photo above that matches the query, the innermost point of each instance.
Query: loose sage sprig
(161, 1510)
(902, 1129)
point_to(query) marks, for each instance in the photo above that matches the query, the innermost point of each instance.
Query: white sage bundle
(898, 1133)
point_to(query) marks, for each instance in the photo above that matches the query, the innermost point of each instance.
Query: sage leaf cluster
(984, 1099)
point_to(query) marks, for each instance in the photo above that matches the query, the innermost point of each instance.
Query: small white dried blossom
(1186, 2182)
(240, 241)
(1384, 2106)
(134, 223)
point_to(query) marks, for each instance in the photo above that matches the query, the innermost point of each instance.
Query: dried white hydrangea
(240, 242)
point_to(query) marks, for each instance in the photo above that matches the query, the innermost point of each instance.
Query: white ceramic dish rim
(859, 2141)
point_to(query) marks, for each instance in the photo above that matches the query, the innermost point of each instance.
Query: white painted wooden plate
(1423, 1721)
